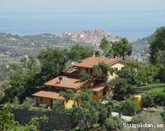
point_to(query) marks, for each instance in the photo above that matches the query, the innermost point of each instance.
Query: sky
(80, 5)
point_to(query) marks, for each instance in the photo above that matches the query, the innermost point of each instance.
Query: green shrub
(28, 103)
(58, 106)
(129, 73)
(163, 116)
(113, 123)
(161, 74)
(148, 101)
(153, 98)
(121, 88)
(129, 107)
(160, 99)
(16, 103)
(84, 75)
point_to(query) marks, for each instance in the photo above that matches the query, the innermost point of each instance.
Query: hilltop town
(90, 36)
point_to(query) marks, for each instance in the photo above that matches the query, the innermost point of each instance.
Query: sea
(130, 24)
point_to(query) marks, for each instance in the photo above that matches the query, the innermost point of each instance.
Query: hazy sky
(79, 5)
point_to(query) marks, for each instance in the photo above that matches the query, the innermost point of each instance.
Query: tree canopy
(121, 87)
(157, 46)
(53, 61)
(105, 45)
(129, 73)
(122, 48)
(91, 115)
(31, 73)
(23, 79)
(84, 75)
(78, 52)
(101, 71)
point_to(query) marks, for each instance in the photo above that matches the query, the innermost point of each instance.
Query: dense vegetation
(8, 123)
(154, 98)
(120, 48)
(29, 75)
(88, 114)
(157, 47)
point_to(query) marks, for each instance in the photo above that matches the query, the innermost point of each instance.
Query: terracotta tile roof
(92, 61)
(98, 88)
(48, 94)
(67, 82)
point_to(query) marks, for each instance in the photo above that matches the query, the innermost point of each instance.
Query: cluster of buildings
(90, 36)
(69, 79)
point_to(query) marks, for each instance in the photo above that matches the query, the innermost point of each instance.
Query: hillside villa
(69, 79)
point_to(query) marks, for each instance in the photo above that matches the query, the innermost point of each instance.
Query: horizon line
(66, 12)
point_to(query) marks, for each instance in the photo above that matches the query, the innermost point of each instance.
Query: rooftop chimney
(60, 79)
(94, 54)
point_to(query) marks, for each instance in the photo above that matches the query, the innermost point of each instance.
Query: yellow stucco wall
(117, 66)
(69, 104)
(45, 101)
